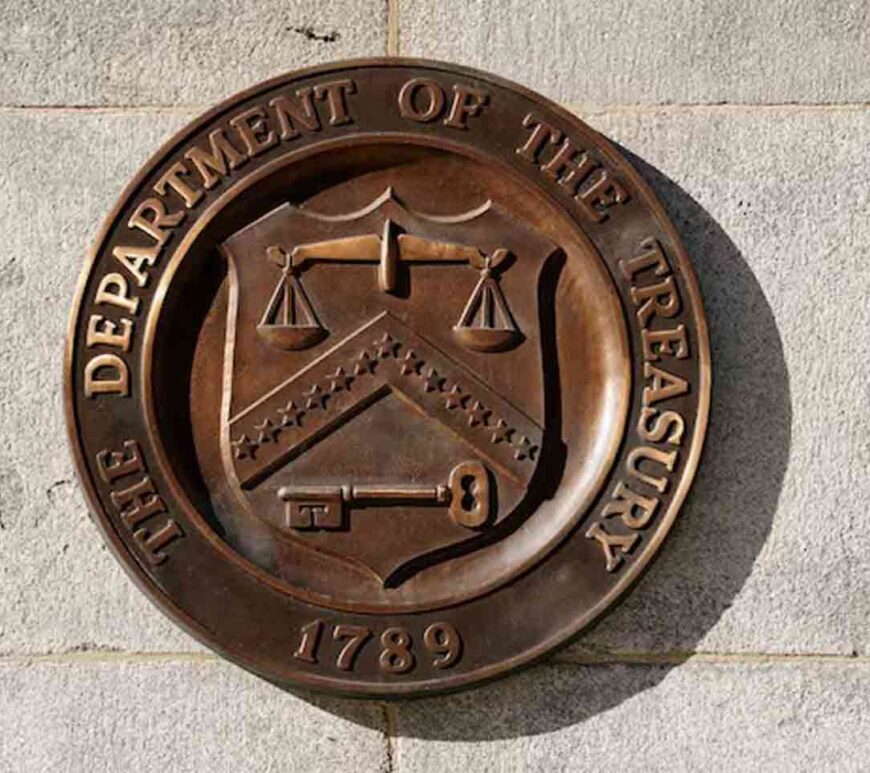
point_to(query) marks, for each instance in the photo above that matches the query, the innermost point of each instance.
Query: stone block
(767, 555)
(155, 715)
(61, 588)
(711, 717)
(662, 51)
(772, 205)
(162, 53)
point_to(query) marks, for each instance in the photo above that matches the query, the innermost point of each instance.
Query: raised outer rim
(543, 648)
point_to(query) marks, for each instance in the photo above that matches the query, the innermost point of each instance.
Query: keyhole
(469, 486)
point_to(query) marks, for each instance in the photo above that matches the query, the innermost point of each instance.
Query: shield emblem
(382, 406)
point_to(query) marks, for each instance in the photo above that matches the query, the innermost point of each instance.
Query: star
(411, 364)
(433, 382)
(364, 364)
(455, 399)
(267, 431)
(339, 380)
(387, 346)
(290, 415)
(502, 432)
(524, 449)
(315, 398)
(243, 447)
(478, 414)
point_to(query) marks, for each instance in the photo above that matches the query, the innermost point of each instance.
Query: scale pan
(292, 337)
(487, 339)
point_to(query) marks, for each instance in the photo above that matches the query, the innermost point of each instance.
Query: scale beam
(388, 250)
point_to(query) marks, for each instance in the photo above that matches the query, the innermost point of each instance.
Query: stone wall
(745, 647)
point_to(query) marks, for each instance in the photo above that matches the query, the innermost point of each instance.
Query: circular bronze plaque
(386, 377)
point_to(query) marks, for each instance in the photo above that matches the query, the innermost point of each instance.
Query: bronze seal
(386, 377)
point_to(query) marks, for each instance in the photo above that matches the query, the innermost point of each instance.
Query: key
(467, 496)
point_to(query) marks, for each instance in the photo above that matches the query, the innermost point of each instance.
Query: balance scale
(291, 323)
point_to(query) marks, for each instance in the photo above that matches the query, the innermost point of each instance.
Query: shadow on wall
(711, 550)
